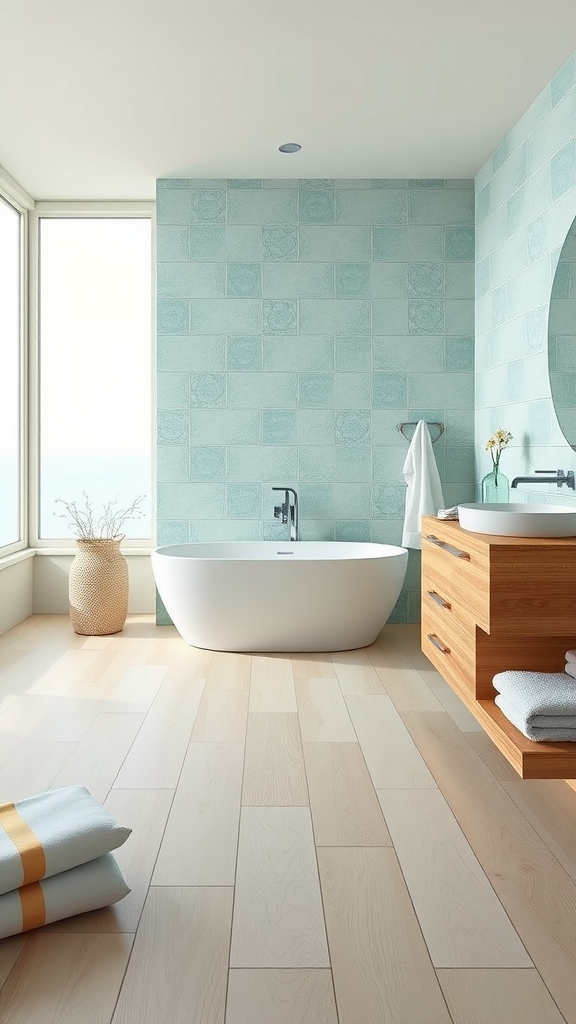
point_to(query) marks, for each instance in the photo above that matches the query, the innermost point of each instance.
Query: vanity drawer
(460, 572)
(450, 644)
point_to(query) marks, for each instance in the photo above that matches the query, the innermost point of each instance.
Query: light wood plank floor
(317, 839)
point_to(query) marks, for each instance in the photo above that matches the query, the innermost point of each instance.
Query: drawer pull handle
(447, 547)
(438, 599)
(438, 643)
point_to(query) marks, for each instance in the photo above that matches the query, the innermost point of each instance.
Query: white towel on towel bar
(424, 494)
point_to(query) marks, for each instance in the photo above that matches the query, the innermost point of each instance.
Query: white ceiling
(98, 99)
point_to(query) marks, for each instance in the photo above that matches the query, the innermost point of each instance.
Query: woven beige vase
(98, 587)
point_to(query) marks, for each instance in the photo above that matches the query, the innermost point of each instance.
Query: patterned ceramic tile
(390, 390)
(173, 427)
(173, 316)
(244, 352)
(426, 279)
(316, 206)
(279, 243)
(388, 501)
(316, 390)
(208, 389)
(352, 280)
(460, 353)
(459, 243)
(244, 279)
(352, 427)
(279, 316)
(279, 426)
(208, 206)
(425, 316)
(207, 463)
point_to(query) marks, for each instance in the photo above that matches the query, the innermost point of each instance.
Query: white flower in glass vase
(495, 486)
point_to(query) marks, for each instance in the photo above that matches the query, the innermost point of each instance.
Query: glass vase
(495, 487)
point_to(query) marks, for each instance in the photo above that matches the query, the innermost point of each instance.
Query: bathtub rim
(359, 550)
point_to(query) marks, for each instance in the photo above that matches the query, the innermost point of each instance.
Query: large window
(11, 519)
(94, 325)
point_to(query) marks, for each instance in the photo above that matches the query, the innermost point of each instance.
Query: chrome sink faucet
(559, 477)
(288, 510)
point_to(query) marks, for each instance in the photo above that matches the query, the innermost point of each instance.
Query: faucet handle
(548, 471)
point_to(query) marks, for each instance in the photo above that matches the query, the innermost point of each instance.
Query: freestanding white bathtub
(271, 596)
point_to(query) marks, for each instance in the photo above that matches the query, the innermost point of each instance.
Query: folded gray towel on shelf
(449, 513)
(542, 705)
(571, 656)
(534, 728)
(570, 668)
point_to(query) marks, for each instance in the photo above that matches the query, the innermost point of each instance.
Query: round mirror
(562, 338)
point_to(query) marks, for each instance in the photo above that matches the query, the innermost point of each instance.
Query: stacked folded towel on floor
(542, 705)
(55, 859)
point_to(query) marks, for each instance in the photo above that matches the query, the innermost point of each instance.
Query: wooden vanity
(495, 603)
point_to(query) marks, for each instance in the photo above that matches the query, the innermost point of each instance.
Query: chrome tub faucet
(287, 512)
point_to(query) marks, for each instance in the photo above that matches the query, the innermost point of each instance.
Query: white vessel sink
(518, 520)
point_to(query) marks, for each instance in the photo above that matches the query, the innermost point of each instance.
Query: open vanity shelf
(495, 603)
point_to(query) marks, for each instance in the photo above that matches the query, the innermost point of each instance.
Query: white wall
(16, 592)
(50, 592)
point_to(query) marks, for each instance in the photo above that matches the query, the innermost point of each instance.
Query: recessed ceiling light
(289, 147)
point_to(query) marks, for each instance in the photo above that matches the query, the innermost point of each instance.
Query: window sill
(16, 556)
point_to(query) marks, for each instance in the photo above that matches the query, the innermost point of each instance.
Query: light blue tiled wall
(525, 204)
(298, 323)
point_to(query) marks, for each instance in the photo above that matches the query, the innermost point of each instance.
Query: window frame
(83, 211)
(20, 201)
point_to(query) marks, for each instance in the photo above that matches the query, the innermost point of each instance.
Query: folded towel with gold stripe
(46, 834)
(87, 887)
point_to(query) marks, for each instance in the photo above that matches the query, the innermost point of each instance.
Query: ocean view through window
(95, 366)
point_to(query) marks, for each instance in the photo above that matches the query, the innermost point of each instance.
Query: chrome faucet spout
(287, 512)
(559, 478)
